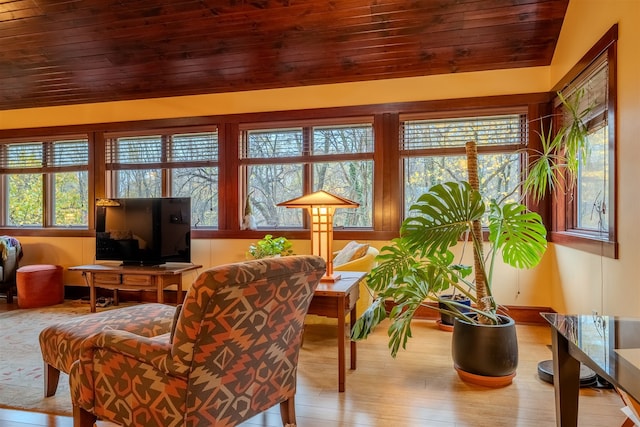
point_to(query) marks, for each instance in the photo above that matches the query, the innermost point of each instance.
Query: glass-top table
(608, 345)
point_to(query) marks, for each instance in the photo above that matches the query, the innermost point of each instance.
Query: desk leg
(160, 287)
(566, 381)
(92, 296)
(179, 297)
(341, 349)
(352, 322)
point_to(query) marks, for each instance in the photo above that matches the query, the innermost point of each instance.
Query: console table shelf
(136, 278)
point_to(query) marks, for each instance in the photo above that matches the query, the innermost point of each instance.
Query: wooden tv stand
(129, 277)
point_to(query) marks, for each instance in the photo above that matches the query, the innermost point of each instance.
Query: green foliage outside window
(25, 200)
(70, 199)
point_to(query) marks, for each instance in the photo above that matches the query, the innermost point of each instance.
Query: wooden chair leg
(82, 418)
(628, 423)
(632, 404)
(51, 377)
(288, 412)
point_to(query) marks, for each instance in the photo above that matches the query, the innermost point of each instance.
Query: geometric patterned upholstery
(233, 355)
(60, 343)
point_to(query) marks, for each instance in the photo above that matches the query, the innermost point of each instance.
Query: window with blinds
(591, 201)
(433, 152)
(167, 164)
(193, 148)
(485, 131)
(61, 164)
(279, 164)
(30, 157)
(589, 94)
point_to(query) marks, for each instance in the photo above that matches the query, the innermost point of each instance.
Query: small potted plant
(270, 246)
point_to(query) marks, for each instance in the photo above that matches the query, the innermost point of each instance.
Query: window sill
(585, 243)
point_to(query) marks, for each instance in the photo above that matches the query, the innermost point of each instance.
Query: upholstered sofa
(364, 263)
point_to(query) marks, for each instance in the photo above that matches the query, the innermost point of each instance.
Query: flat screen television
(143, 231)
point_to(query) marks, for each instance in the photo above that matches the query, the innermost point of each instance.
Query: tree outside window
(434, 152)
(184, 163)
(63, 165)
(283, 163)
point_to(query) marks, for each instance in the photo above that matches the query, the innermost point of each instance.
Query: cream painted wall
(499, 82)
(583, 282)
(511, 286)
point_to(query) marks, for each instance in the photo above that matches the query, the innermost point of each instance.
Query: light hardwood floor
(418, 388)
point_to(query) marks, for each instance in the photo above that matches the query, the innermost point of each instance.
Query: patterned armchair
(232, 353)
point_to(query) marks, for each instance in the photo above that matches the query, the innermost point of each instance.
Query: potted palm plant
(420, 265)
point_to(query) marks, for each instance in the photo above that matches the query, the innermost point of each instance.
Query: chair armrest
(154, 351)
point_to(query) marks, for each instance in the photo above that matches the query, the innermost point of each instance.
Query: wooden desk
(337, 300)
(135, 278)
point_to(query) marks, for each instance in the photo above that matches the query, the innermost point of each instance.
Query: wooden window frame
(387, 181)
(564, 231)
(47, 171)
(306, 158)
(459, 150)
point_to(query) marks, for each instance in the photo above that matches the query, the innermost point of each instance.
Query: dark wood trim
(585, 243)
(524, 315)
(388, 185)
(564, 216)
(543, 112)
(388, 196)
(299, 234)
(609, 38)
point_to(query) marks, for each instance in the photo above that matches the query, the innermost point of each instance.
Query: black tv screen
(143, 231)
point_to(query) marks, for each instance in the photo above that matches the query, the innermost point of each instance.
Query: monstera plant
(417, 267)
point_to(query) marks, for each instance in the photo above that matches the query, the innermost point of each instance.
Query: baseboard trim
(523, 315)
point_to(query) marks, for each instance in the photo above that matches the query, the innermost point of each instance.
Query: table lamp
(321, 206)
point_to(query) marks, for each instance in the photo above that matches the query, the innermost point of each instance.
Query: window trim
(307, 159)
(47, 171)
(387, 182)
(562, 205)
(165, 165)
(406, 153)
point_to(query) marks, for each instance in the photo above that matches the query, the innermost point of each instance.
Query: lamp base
(331, 279)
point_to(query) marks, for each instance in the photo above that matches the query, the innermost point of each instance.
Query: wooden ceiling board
(55, 52)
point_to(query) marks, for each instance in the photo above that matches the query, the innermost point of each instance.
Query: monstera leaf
(441, 216)
(518, 233)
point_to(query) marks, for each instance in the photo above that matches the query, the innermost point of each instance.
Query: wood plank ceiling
(56, 52)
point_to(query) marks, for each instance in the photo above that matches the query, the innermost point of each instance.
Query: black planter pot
(447, 319)
(485, 350)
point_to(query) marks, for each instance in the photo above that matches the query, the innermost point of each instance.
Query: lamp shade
(319, 198)
(321, 206)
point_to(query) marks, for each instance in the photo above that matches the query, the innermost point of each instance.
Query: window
(584, 215)
(284, 163)
(46, 183)
(433, 152)
(591, 199)
(168, 164)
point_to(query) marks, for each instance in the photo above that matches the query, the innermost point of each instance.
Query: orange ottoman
(39, 285)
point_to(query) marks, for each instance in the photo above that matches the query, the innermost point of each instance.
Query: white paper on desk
(631, 415)
(632, 355)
